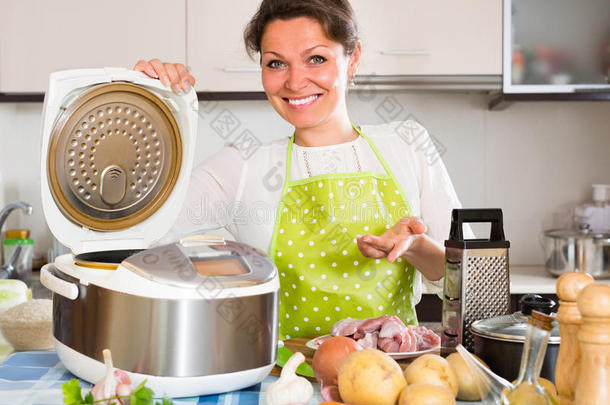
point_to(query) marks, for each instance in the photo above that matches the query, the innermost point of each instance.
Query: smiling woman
(306, 76)
(359, 210)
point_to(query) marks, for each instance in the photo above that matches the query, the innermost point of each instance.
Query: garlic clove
(290, 389)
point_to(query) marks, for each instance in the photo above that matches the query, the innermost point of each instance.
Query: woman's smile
(301, 103)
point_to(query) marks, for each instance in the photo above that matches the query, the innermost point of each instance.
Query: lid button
(113, 185)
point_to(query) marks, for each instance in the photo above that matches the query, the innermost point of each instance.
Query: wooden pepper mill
(568, 287)
(593, 386)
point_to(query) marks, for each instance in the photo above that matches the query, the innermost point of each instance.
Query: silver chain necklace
(308, 167)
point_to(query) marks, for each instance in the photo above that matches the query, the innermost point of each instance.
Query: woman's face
(304, 72)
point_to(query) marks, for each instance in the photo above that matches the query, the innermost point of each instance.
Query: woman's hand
(394, 242)
(175, 75)
(407, 239)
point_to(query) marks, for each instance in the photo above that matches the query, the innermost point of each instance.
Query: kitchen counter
(534, 280)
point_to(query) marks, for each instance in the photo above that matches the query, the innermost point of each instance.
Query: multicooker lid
(115, 152)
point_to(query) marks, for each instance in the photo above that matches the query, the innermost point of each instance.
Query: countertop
(534, 280)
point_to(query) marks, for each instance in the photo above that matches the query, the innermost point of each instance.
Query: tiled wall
(533, 160)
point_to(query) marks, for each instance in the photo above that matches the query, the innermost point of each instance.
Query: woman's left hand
(394, 242)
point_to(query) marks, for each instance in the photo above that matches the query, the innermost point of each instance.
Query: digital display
(219, 267)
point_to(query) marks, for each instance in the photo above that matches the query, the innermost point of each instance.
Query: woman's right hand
(175, 75)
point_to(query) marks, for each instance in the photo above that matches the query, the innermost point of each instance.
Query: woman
(345, 233)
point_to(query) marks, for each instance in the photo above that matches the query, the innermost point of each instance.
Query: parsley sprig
(140, 396)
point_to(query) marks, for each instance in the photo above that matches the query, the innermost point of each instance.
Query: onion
(329, 357)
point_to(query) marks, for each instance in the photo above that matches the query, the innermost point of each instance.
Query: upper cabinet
(400, 37)
(38, 37)
(430, 37)
(215, 48)
(556, 46)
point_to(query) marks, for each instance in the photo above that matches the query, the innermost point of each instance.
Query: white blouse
(241, 193)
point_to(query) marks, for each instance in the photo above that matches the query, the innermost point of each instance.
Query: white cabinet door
(38, 37)
(430, 37)
(215, 46)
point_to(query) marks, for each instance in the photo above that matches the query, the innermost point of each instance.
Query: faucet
(9, 270)
(8, 208)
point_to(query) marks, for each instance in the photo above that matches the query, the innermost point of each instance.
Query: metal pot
(577, 250)
(499, 341)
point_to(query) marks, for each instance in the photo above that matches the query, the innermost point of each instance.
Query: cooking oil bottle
(527, 390)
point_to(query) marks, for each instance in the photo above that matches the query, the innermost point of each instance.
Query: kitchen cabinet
(38, 37)
(215, 46)
(430, 37)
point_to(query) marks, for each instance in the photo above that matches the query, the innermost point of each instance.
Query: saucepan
(577, 250)
(499, 341)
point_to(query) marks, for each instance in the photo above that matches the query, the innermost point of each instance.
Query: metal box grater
(477, 284)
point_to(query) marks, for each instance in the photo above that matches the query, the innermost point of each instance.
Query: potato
(550, 387)
(370, 377)
(526, 392)
(432, 369)
(426, 394)
(468, 389)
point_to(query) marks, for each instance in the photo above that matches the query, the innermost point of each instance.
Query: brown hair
(335, 16)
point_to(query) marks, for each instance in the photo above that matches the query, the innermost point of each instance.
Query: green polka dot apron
(323, 275)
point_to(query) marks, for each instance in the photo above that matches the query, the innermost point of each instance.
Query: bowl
(28, 326)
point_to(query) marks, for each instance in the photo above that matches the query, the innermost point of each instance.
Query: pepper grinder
(568, 286)
(593, 386)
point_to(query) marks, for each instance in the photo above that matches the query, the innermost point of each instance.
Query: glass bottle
(527, 389)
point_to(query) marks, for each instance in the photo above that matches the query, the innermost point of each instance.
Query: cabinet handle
(407, 52)
(236, 69)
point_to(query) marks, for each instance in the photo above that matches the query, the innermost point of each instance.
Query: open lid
(117, 151)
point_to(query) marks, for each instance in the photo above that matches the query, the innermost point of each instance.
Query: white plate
(396, 356)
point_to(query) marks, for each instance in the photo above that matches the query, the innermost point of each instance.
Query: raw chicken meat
(388, 345)
(392, 328)
(345, 327)
(387, 333)
(369, 341)
(373, 324)
(409, 341)
(426, 339)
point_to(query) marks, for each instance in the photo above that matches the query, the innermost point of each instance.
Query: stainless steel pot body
(566, 252)
(169, 338)
(504, 357)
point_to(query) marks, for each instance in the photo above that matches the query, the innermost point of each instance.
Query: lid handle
(206, 239)
(470, 215)
(535, 302)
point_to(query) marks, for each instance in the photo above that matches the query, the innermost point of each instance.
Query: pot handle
(56, 284)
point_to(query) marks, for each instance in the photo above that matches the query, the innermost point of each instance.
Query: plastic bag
(490, 385)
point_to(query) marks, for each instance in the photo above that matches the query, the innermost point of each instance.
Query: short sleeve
(211, 196)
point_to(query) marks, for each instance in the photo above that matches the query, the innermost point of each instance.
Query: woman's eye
(275, 64)
(317, 59)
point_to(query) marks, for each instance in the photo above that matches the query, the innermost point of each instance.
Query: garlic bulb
(114, 382)
(106, 387)
(290, 389)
